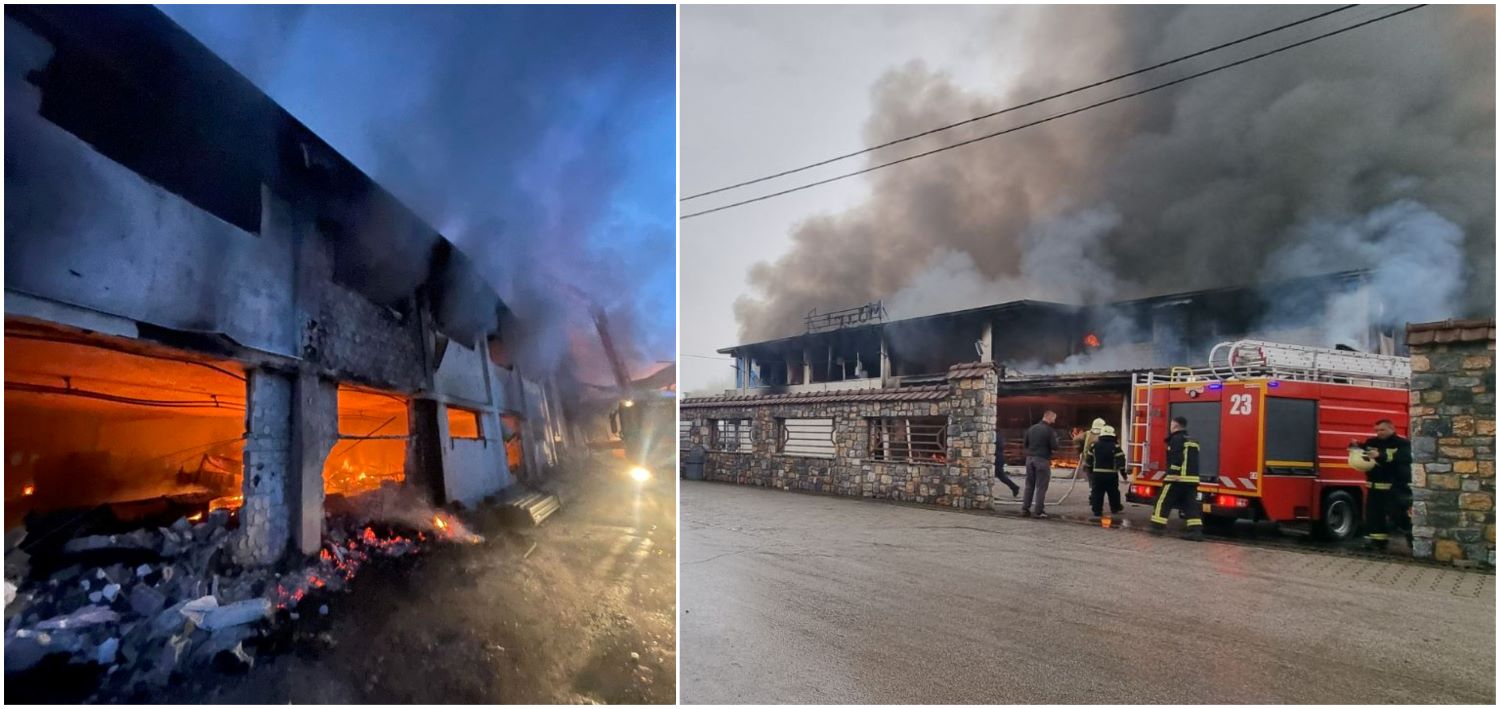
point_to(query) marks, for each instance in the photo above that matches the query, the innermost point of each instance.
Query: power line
(1018, 107)
(1054, 117)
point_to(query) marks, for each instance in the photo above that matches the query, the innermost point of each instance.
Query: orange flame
(1091, 341)
(28, 491)
(438, 520)
(194, 517)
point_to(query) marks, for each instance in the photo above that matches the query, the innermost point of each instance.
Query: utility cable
(1054, 117)
(1018, 107)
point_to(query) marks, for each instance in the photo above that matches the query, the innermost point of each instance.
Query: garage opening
(111, 427)
(371, 450)
(1077, 401)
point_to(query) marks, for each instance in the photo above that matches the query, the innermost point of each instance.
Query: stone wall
(265, 518)
(963, 481)
(1453, 440)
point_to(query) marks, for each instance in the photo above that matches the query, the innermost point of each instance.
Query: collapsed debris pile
(148, 605)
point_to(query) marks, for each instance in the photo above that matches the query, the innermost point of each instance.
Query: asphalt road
(795, 598)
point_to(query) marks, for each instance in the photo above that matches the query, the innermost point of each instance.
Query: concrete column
(987, 342)
(806, 366)
(885, 362)
(265, 518)
(315, 428)
(424, 448)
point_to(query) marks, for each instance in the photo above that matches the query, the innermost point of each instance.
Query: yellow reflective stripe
(1379, 536)
(1288, 464)
(1381, 486)
(1156, 511)
(1195, 522)
(1187, 479)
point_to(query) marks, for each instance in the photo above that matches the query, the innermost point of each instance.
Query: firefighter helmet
(1107, 430)
(1098, 426)
(1359, 461)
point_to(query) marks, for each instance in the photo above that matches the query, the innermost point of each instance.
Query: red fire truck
(1273, 423)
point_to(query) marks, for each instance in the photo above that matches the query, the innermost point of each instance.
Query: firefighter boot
(1194, 532)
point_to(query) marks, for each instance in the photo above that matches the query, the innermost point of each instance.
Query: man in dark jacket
(1041, 443)
(1386, 505)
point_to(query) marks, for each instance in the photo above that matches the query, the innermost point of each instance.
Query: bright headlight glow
(640, 474)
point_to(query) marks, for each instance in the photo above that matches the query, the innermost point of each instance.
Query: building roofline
(1029, 303)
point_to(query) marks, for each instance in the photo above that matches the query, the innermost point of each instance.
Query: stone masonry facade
(962, 480)
(1453, 440)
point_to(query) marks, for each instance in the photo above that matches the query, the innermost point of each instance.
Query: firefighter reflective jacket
(1182, 458)
(1392, 462)
(1104, 456)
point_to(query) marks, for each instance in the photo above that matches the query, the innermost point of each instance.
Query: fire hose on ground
(1017, 500)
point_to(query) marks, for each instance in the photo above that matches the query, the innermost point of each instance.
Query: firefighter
(1179, 490)
(1104, 459)
(1386, 504)
(1081, 441)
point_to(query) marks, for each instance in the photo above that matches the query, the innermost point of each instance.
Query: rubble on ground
(188, 607)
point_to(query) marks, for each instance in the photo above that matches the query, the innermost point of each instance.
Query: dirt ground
(579, 610)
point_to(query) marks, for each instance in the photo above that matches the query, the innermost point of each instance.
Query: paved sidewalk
(1069, 502)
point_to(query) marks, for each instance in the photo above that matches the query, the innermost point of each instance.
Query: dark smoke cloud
(1387, 130)
(538, 139)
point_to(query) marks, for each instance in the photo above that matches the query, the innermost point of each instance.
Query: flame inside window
(1091, 341)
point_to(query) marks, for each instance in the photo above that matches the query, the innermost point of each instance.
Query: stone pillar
(315, 428)
(885, 362)
(987, 342)
(265, 518)
(971, 434)
(806, 366)
(1453, 440)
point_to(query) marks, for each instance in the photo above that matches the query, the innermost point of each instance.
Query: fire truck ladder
(1241, 359)
(1138, 448)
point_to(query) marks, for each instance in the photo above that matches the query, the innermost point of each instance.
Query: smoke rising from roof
(538, 139)
(1359, 149)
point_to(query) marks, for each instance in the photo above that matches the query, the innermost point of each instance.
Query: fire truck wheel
(1340, 517)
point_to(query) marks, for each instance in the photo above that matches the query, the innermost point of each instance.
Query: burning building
(208, 307)
(912, 409)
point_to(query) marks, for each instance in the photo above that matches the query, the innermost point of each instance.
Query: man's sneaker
(1025, 513)
(1041, 515)
(1015, 492)
(1095, 519)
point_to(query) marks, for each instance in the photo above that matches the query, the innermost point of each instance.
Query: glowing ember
(226, 503)
(195, 517)
(29, 490)
(438, 520)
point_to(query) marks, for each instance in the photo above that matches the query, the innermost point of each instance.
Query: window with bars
(684, 434)
(909, 439)
(732, 435)
(806, 437)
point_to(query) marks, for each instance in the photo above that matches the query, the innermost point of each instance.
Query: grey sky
(1245, 167)
(767, 87)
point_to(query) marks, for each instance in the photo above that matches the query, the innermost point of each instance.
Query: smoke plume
(538, 139)
(1374, 148)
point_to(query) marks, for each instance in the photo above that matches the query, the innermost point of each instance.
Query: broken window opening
(374, 428)
(463, 423)
(909, 439)
(136, 433)
(515, 452)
